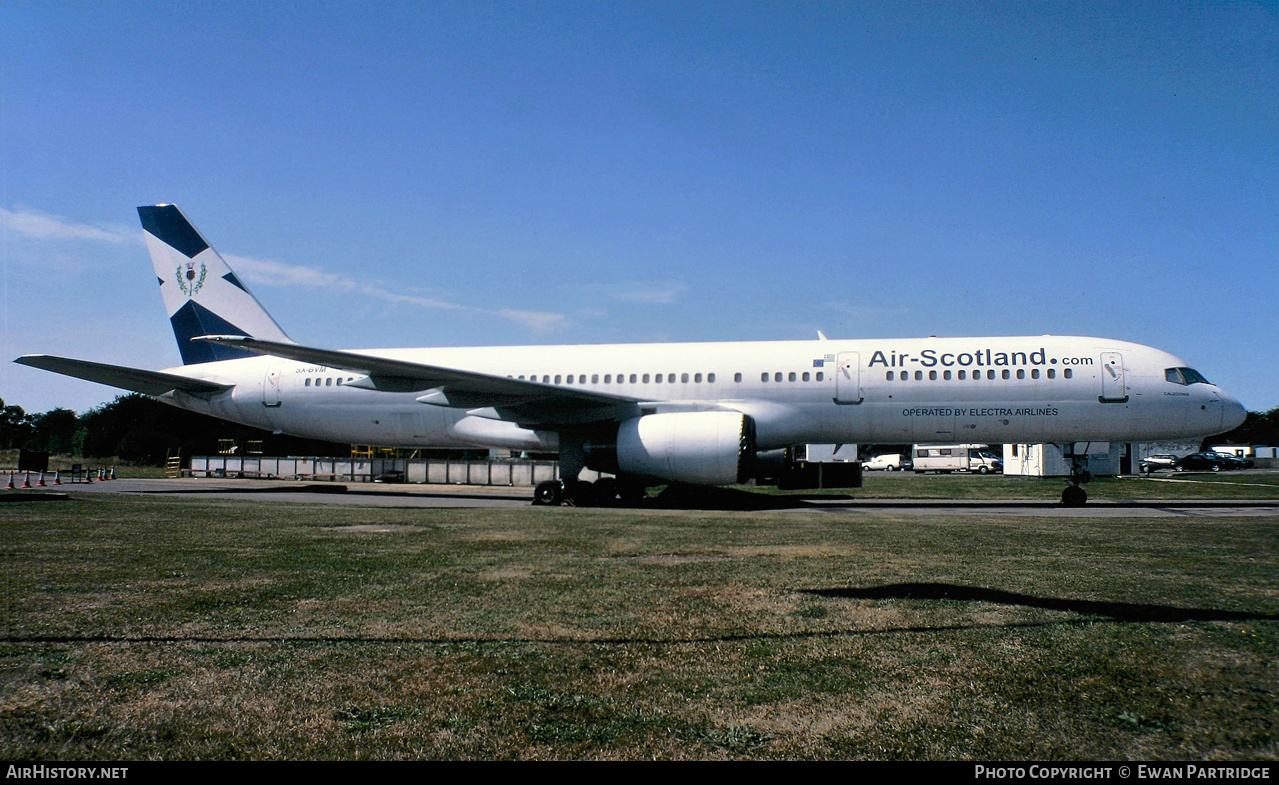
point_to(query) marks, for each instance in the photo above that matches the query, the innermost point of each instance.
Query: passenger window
(684, 377)
(889, 376)
(710, 378)
(946, 375)
(791, 377)
(306, 382)
(608, 378)
(328, 382)
(737, 377)
(763, 377)
(697, 378)
(990, 374)
(557, 378)
(919, 376)
(963, 375)
(805, 377)
(1068, 373)
(595, 379)
(645, 378)
(633, 378)
(1021, 373)
(1006, 374)
(1052, 373)
(820, 376)
(932, 376)
(1034, 373)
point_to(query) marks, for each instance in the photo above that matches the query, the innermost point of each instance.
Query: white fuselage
(987, 390)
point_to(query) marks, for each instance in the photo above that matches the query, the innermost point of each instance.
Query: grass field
(1161, 485)
(141, 627)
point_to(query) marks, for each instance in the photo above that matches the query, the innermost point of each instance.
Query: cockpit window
(1184, 376)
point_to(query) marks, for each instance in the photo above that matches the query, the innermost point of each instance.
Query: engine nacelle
(699, 448)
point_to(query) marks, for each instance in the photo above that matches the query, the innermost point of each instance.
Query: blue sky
(479, 173)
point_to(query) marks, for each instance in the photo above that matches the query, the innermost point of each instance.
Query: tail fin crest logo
(189, 281)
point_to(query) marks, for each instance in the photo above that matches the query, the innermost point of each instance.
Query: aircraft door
(271, 386)
(848, 378)
(1113, 389)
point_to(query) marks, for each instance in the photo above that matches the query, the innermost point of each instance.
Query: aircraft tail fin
(202, 295)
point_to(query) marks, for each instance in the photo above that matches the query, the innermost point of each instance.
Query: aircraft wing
(529, 403)
(133, 379)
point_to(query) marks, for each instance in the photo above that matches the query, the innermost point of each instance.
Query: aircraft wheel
(580, 493)
(1074, 496)
(632, 492)
(548, 493)
(605, 491)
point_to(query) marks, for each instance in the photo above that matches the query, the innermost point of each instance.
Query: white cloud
(537, 321)
(648, 292)
(265, 272)
(658, 293)
(269, 273)
(39, 226)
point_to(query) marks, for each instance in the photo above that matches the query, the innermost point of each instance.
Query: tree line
(137, 429)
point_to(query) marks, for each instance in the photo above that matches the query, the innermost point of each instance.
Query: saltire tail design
(202, 295)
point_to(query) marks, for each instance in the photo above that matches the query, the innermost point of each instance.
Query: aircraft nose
(1232, 413)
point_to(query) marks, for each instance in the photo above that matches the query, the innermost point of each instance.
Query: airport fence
(503, 472)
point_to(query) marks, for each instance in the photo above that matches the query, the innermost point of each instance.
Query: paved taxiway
(469, 496)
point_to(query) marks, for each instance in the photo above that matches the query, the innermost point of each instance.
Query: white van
(888, 462)
(947, 458)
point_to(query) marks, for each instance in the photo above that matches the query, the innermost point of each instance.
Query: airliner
(690, 413)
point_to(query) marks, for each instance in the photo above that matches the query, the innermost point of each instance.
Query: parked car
(1202, 462)
(1234, 461)
(1153, 463)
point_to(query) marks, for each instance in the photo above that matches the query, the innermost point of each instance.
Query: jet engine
(698, 448)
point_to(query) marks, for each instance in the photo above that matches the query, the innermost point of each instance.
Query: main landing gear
(604, 492)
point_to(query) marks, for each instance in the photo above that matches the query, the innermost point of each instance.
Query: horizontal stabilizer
(133, 379)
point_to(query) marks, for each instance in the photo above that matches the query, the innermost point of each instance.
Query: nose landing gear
(1074, 496)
